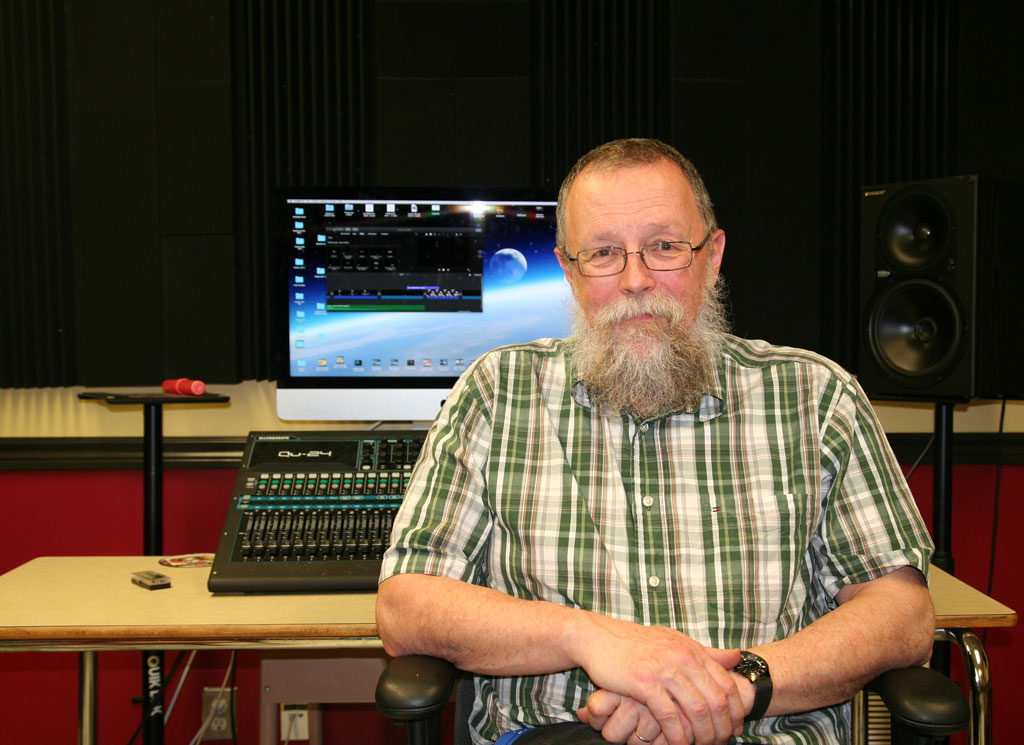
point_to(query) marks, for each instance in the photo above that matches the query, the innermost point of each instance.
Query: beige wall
(57, 412)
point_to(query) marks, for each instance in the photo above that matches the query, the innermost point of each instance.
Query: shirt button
(654, 581)
(644, 427)
(648, 501)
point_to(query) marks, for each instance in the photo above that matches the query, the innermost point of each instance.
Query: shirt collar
(711, 403)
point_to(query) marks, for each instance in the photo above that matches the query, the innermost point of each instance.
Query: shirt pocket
(756, 553)
(566, 543)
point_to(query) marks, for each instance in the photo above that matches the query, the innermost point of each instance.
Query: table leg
(979, 731)
(86, 698)
(859, 718)
(152, 545)
(269, 733)
(314, 716)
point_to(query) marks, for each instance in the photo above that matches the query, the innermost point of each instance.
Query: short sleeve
(443, 523)
(871, 524)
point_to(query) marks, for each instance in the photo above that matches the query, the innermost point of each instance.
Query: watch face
(751, 666)
(755, 669)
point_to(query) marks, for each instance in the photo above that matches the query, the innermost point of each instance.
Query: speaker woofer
(914, 330)
(915, 230)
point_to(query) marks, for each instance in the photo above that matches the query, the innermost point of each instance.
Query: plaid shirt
(736, 524)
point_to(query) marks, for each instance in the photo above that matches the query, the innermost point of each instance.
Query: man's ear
(718, 250)
(565, 264)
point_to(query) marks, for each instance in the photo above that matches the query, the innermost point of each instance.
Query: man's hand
(684, 687)
(621, 719)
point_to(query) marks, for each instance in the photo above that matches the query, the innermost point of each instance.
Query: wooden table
(958, 605)
(959, 609)
(88, 604)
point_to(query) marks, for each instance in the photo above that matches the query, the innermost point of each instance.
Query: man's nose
(636, 278)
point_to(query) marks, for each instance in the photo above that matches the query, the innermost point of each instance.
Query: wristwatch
(755, 669)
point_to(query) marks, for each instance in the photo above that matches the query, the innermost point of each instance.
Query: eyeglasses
(663, 256)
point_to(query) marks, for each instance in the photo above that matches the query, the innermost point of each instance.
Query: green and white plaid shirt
(736, 524)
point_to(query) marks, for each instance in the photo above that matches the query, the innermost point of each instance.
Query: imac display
(390, 295)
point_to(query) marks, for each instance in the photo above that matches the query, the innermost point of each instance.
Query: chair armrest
(415, 687)
(923, 701)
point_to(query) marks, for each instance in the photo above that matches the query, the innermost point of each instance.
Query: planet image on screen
(507, 266)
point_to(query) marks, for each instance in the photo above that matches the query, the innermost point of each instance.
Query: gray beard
(643, 368)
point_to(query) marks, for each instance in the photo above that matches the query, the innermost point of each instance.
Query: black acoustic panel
(37, 322)
(415, 132)
(492, 132)
(999, 325)
(303, 110)
(939, 268)
(710, 143)
(713, 56)
(988, 60)
(764, 121)
(889, 79)
(599, 70)
(199, 304)
(453, 132)
(194, 117)
(114, 191)
(483, 38)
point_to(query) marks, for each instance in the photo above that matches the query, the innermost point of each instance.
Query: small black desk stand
(153, 527)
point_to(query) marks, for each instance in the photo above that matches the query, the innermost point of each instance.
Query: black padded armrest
(923, 701)
(415, 687)
(920, 699)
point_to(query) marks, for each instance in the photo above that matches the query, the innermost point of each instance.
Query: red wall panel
(99, 512)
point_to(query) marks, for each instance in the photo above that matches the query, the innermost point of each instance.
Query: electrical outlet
(218, 700)
(294, 722)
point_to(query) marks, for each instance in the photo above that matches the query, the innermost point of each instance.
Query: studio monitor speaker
(942, 290)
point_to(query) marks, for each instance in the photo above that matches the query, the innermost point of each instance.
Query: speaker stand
(942, 487)
(942, 508)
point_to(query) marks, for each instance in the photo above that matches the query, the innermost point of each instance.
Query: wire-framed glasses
(663, 256)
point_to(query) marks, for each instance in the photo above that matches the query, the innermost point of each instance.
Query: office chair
(924, 704)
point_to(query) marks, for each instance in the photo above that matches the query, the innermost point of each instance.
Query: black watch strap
(762, 697)
(755, 669)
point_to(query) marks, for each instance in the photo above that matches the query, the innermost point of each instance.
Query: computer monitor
(391, 294)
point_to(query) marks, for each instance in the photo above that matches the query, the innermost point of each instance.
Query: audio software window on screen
(371, 281)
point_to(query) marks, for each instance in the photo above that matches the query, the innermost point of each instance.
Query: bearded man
(654, 531)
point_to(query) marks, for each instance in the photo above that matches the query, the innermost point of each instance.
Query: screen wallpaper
(509, 272)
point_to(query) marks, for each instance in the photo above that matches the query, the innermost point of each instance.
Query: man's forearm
(681, 682)
(878, 626)
(476, 628)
